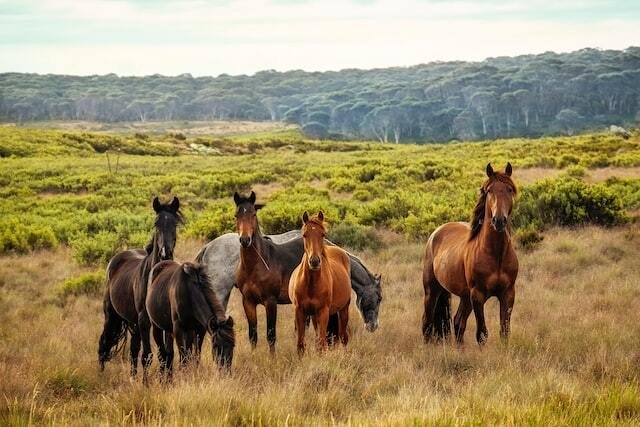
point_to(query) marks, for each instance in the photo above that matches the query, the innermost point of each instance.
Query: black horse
(127, 277)
(183, 307)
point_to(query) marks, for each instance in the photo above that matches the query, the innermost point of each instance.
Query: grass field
(573, 359)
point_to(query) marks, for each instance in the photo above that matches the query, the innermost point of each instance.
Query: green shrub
(354, 236)
(362, 195)
(95, 250)
(214, 221)
(20, 237)
(341, 185)
(576, 171)
(529, 237)
(86, 284)
(567, 202)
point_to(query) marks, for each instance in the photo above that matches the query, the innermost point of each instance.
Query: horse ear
(175, 204)
(320, 215)
(188, 268)
(252, 197)
(236, 198)
(489, 170)
(156, 204)
(508, 169)
(305, 217)
(378, 277)
(258, 207)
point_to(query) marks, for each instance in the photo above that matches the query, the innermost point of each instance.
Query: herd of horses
(148, 293)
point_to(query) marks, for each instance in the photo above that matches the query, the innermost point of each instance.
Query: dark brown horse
(321, 285)
(473, 261)
(183, 306)
(127, 275)
(264, 269)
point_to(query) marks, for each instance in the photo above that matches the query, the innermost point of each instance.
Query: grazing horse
(182, 306)
(222, 256)
(320, 286)
(473, 261)
(127, 275)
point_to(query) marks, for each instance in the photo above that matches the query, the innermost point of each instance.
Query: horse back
(158, 298)
(122, 274)
(445, 255)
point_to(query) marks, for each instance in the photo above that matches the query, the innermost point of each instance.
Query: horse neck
(494, 242)
(314, 277)
(151, 259)
(253, 256)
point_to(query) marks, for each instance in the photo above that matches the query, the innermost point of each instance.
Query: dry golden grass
(574, 356)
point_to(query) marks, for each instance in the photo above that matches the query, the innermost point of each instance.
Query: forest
(523, 96)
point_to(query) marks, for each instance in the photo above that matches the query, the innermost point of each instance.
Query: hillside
(530, 95)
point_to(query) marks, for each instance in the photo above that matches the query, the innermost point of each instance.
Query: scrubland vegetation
(71, 199)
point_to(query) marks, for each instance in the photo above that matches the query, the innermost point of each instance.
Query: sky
(211, 37)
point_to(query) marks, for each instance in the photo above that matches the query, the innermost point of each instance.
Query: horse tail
(442, 317)
(114, 334)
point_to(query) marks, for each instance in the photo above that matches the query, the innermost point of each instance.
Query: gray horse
(222, 255)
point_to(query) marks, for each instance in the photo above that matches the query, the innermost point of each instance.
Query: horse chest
(492, 276)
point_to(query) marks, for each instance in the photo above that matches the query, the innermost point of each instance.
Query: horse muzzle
(314, 263)
(245, 241)
(371, 326)
(499, 223)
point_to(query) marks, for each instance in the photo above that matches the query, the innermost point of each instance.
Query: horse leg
(432, 291)
(301, 326)
(181, 339)
(134, 349)
(198, 344)
(271, 307)
(144, 327)
(322, 321)
(506, 298)
(460, 320)
(158, 337)
(478, 299)
(252, 320)
(168, 346)
(343, 330)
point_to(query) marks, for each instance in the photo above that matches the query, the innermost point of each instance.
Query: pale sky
(210, 37)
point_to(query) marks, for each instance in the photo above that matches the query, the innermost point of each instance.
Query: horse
(264, 269)
(182, 306)
(474, 261)
(126, 283)
(320, 285)
(222, 256)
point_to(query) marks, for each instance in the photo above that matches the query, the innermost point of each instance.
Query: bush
(354, 236)
(341, 185)
(529, 237)
(96, 250)
(567, 202)
(86, 284)
(362, 195)
(19, 237)
(213, 222)
(576, 171)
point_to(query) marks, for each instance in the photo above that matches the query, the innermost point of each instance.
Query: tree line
(528, 95)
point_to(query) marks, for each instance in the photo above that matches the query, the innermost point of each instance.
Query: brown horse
(264, 269)
(183, 306)
(127, 274)
(320, 286)
(473, 261)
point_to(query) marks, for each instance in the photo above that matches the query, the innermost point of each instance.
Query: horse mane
(204, 284)
(477, 215)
